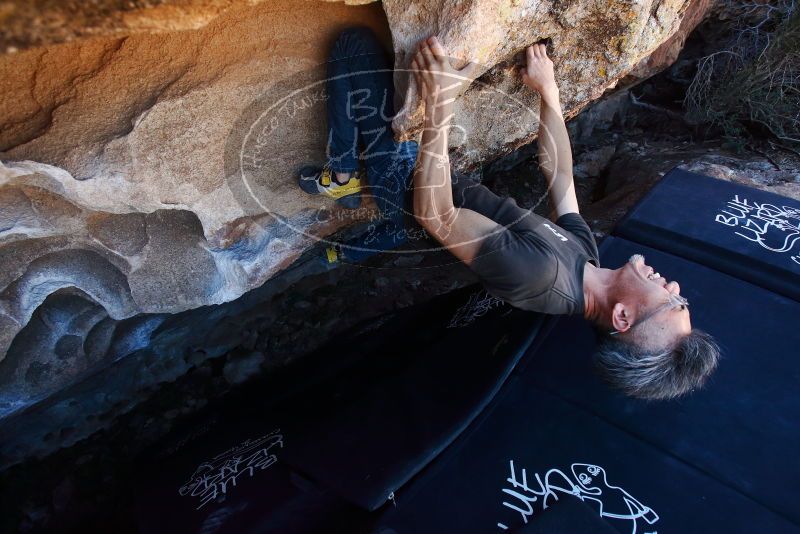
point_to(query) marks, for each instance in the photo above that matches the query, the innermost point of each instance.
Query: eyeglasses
(675, 301)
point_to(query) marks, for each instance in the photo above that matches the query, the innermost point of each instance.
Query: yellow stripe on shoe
(331, 255)
(325, 179)
(321, 182)
(338, 191)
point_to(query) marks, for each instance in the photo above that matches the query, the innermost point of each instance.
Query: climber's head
(647, 345)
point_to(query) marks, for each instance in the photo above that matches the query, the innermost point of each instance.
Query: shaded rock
(600, 116)
(29, 23)
(668, 51)
(138, 122)
(68, 347)
(63, 493)
(240, 368)
(593, 162)
(71, 268)
(124, 233)
(175, 264)
(16, 208)
(46, 355)
(131, 360)
(180, 179)
(98, 339)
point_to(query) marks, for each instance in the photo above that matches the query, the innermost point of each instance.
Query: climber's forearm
(433, 196)
(555, 155)
(460, 230)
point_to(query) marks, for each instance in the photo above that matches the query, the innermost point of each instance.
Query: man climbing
(648, 347)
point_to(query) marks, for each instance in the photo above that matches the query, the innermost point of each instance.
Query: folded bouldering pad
(344, 429)
(750, 234)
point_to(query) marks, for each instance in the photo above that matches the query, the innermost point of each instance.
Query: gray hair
(662, 374)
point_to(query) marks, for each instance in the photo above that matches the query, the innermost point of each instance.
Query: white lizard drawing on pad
(588, 483)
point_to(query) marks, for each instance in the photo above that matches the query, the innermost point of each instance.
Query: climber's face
(648, 309)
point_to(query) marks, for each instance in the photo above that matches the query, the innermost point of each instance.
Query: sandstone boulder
(150, 148)
(593, 44)
(132, 199)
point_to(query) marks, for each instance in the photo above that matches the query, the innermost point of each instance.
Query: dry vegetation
(751, 88)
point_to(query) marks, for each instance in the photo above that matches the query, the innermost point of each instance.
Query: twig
(652, 107)
(783, 147)
(765, 155)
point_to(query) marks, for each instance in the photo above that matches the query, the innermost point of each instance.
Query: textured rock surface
(135, 209)
(595, 43)
(165, 154)
(27, 23)
(668, 51)
(292, 314)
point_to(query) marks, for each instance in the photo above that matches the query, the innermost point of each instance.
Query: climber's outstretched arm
(555, 152)
(460, 230)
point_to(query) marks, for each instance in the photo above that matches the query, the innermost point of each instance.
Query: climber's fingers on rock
(423, 44)
(544, 53)
(530, 53)
(414, 67)
(419, 74)
(426, 54)
(419, 62)
(524, 72)
(469, 70)
(436, 47)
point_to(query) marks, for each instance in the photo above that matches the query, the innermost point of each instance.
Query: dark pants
(360, 109)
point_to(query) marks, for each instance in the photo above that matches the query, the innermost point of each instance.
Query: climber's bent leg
(365, 105)
(360, 93)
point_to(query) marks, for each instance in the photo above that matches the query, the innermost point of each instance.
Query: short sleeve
(515, 266)
(574, 223)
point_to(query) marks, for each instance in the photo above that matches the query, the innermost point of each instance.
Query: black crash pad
(374, 427)
(634, 486)
(340, 432)
(750, 234)
(229, 478)
(722, 459)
